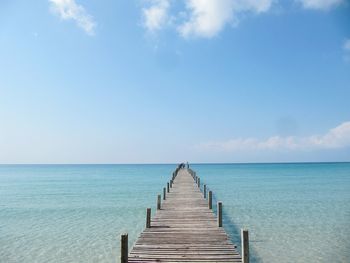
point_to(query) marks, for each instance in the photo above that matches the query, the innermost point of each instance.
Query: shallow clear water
(76, 213)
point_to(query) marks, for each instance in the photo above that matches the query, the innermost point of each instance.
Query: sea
(294, 212)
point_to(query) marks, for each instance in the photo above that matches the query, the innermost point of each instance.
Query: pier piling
(158, 202)
(148, 218)
(210, 200)
(124, 248)
(245, 246)
(219, 207)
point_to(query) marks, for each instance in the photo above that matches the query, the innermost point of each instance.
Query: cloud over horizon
(335, 138)
(70, 10)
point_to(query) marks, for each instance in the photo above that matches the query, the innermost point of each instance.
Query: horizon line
(170, 163)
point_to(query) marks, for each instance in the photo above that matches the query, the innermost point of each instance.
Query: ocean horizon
(295, 212)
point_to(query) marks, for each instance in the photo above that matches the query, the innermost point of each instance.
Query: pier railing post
(148, 218)
(171, 183)
(245, 246)
(168, 186)
(158, 202)
(124, 248)
(205, 191)
(164, 194)
(210, 199)
(199, 182)
(219, 214)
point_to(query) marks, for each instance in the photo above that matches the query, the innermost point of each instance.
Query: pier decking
(184, 229)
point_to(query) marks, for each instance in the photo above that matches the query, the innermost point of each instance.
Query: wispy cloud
(207, 18)
(156, 16)
(346, 48)
(70, 10)
(346, 45)
(338, 137)
(319, 4)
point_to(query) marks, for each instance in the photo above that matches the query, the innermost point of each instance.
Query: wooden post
(219, 214)
(245, 246)
(168, 186)
(199, 182)
(171, 183)
(205, 191)
(210, 200)
(148, 218)
(164, 195)
(158, 202)
(124, 248)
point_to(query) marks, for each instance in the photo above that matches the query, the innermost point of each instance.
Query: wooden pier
(184, 228)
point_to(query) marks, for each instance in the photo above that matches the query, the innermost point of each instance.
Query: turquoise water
(76, 213)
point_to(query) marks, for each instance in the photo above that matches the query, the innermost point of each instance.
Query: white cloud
(156, 15)
(69, 9)
(203, 18)
(319, 4)
(206, 17)
(338, 137)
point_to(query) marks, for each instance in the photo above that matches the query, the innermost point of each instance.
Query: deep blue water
(76, 213)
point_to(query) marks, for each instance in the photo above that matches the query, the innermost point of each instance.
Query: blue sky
(158, 81)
